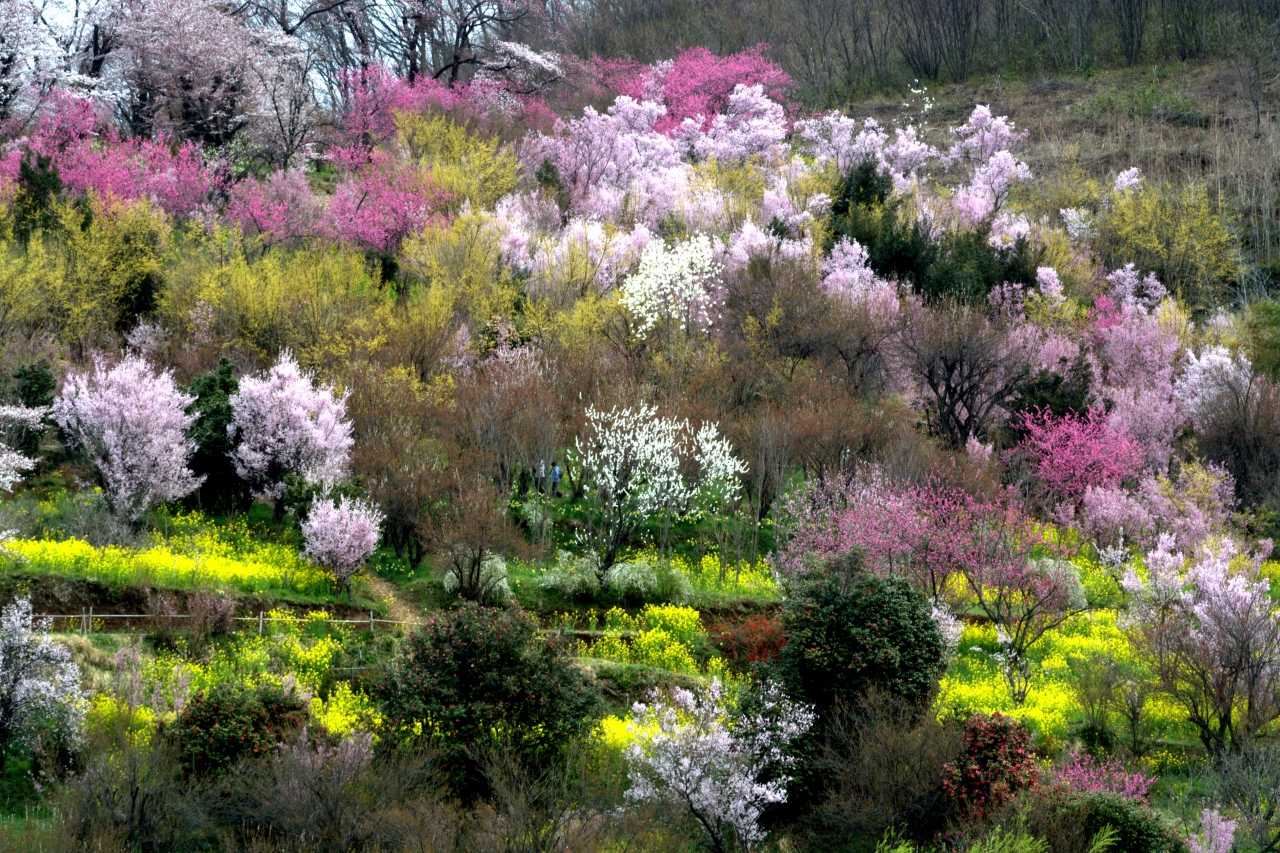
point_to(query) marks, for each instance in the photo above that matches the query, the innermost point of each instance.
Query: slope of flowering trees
(568, 326)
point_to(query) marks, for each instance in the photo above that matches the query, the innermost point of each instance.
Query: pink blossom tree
(1212, 638)
(340, 536)
(1073, 453)
(132, 424)
(284, 423)
(697, 84)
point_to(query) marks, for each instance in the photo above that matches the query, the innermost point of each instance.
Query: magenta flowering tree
(283, 424)
(1071, 454)
(340, 536)
(131, 423)
(381, 203)
(697, 84)
(1212, 637)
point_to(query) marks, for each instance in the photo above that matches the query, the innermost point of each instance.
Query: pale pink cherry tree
(131, 423)
(751, 125)
(1212, 638)
(691, 752)
(982, 136)
(285, 423)
(340, 536)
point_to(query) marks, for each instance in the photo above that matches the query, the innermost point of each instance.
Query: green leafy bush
(849, 631)
(1069, 820)
(230, 722)
(479, 676)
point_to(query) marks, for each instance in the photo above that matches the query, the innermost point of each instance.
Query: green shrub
(1069, 820)
(478, 676)
(848, 631)
(230, 722)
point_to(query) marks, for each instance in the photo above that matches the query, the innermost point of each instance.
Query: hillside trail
(385, 590)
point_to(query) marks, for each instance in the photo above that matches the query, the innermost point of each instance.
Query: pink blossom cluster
(1083, 772)
(284, 424)
(341, 535)
(131, 423)
(1074, 453)
(1191, 508)
(699, 85)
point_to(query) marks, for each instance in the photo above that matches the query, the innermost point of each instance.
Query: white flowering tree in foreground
(132, 424)
(689, 751)
(39, 684)
(16, 419)
(284, 423)
(340, 535)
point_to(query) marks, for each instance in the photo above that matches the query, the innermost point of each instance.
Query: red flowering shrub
(996, 764)
(758, 639)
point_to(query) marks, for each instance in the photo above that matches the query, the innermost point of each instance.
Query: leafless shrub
(882, 761)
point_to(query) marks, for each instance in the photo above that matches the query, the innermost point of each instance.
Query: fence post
(90, 622)
(370, 621)
(82, 631)
(259, 621)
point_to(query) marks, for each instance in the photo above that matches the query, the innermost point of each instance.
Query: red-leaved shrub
(757, 639)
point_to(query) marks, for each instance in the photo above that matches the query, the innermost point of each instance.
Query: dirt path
(386, 591)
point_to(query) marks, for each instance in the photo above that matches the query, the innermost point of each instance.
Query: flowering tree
(1074, 453)
(630, 462)
(689, 752)
(39, 685)
(340, 535)
(16, 419)
(284, 423)
(1083, 772)
(132, 424)
(1212, 638)
(673, 289)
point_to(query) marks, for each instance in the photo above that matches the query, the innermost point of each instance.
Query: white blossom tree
(1212, 638)
(132, 424)
(674, 289)
(285, 424)
(691, 752)
(39, 684)
(340, 535)
(12, 463)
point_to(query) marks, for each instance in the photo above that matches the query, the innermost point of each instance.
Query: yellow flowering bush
(346, 711)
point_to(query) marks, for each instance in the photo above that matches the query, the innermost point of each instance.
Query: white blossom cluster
(13, 463)
(39, 683)
(677, 285)
(1209, 380)
(689, 752)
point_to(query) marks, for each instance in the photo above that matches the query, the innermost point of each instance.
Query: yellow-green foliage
(471, 168)
(463, 259)
(713, 575)
(206, 560)
(663, 636)
(317, 302)
(1174, 233)
(346, 711)
(975, 683)
(740, 186)
(108, 716)
(89, 277)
